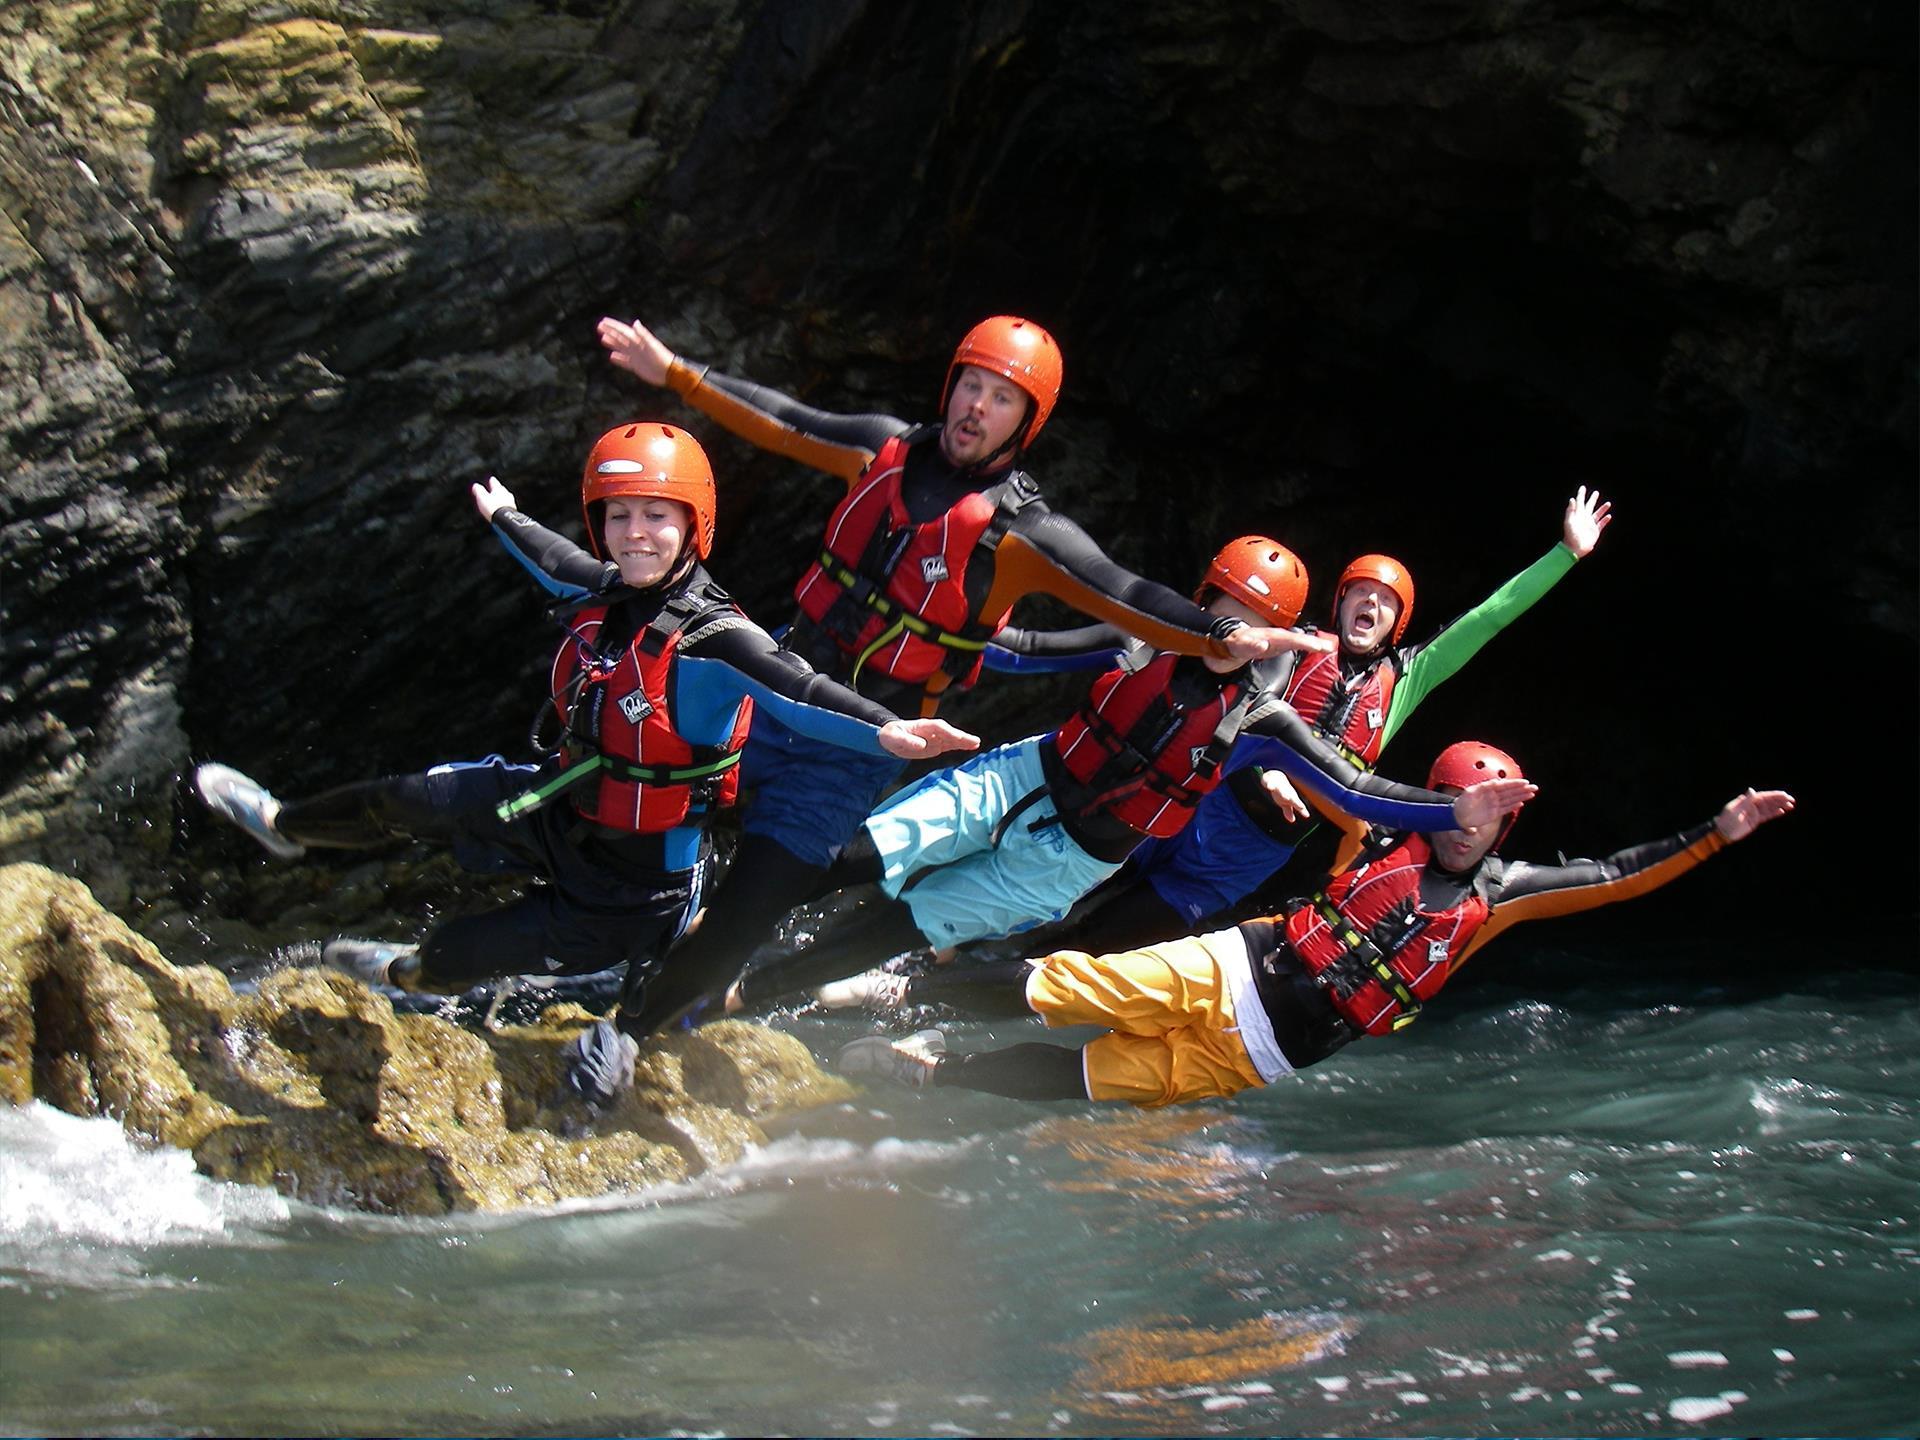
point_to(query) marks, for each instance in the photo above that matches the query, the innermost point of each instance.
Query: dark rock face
(1392, 276)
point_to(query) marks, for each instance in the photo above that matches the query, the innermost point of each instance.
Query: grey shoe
(599, 1063)
(371, 962)
(874, 990)
(910, 1062)
(248, 804)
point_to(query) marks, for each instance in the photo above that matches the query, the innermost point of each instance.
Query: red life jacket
(1366, 941)
(1352, 717)
(624, 759)
(1140, 757)
(892, 593)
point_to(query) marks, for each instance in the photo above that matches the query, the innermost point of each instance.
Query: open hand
(1252, 642)
(634, 348)
(490, 497)
(1286, 799)
(1747, 812)
(1489, 800)
(918, 739)
(1587, 515)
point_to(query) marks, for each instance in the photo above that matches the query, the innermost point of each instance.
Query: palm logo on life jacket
(619, 731)
(1367, 942)
(1136, 754)
(891, 593)
(1351, 714)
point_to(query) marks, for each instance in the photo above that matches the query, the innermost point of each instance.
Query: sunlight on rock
(316, 1087)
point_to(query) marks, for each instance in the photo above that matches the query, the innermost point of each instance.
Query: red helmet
(650, 459)
(1261, 574)
(1022, 352)
(1388, 572)
(1467, 762)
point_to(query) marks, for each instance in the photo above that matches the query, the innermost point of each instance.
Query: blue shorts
(936, 840)
(1219, 859)
(807, 795)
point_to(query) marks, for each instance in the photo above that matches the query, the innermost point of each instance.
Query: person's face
(1368, 612)
(1461, 850)
(984, 413)
(643, 535)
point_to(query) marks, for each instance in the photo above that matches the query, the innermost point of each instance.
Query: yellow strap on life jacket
(1368, 953)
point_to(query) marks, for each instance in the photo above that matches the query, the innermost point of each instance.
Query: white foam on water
(80, 1200)
(761, 1171)
(1691, 1410)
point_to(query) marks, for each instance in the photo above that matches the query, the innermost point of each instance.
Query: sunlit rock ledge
(316, 1086)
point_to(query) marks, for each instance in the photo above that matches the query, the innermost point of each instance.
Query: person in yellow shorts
(1208, 1016)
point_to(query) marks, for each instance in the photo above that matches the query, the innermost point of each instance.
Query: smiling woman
(653, 690)
(644, 538)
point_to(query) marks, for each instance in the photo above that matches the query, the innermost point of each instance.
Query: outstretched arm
(838, 444)
(562, 567)
(1015, 651)
(1306, 758)
(1046, 553)
(1534, 892)
(1431, 665)
(725, 655)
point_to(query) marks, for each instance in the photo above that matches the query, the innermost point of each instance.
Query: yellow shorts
(1171, 1010)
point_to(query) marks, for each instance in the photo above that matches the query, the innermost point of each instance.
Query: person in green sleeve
(1357, 698)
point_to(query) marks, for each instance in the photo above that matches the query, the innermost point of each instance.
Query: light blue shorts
(937, 843)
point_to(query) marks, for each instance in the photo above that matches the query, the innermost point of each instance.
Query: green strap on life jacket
(528, 801)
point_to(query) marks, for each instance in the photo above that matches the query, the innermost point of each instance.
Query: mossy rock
(316, 1086)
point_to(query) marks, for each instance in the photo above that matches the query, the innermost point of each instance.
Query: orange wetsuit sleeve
(1535, 892)
(839, 445)
(1049, 555)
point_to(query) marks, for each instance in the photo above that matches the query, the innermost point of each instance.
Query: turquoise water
(1605, 1212)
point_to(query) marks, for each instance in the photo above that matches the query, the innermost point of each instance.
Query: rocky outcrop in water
(279, 280)
(314, 1085)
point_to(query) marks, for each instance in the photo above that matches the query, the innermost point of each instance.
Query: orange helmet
(1388, 572)
(1261, 574)
(1466, 763)
(650, 459)
(1022, 352)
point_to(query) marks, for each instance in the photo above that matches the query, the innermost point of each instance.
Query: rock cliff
(280, 279)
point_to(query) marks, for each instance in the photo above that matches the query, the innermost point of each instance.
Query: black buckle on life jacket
(1361, 960)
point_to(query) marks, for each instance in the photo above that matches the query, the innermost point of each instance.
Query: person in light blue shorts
(1014, 836)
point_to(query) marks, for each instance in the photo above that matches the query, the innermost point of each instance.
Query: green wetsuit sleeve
(1440, 659)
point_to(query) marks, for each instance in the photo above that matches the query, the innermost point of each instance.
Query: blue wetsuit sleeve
(720, 664)
(1014, 651)
(562, 567)
(1306, 758)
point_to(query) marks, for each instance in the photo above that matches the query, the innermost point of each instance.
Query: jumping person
(1210, 1015)
(1017, 834)
(653, 689)
(1249, 827)
(938, 534)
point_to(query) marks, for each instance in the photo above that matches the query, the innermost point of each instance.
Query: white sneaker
(874, 990)
(248, 804)
(370, 962)
(910, 1062)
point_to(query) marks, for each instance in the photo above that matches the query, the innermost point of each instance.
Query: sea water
(1600, 1210)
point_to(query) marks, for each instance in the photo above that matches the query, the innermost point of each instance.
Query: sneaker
(368, 961)
(875, 990)
(910, 1062)
(598, 1063)
(247, 804)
